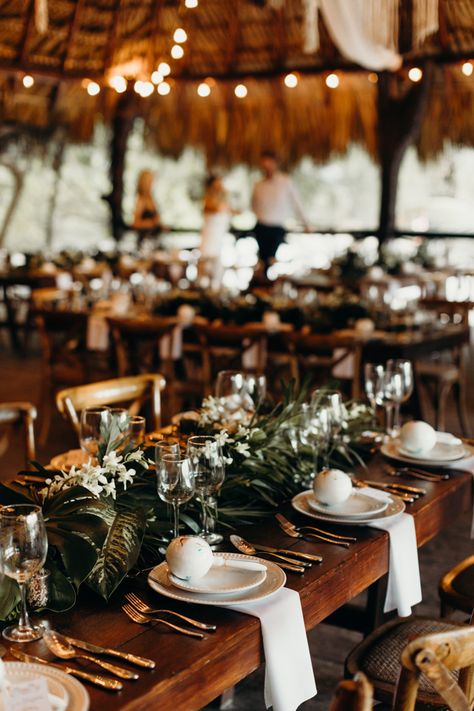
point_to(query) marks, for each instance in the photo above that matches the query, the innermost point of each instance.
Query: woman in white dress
(217, 214)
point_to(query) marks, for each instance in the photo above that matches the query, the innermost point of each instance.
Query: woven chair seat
(378, 657)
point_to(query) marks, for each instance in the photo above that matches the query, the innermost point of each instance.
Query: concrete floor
(20, 379)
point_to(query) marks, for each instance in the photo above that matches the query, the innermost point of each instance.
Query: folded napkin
(289, 676)
(97, 332)
(404, 584)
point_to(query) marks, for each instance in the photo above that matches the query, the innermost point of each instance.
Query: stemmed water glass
(373, 375)
(94, 423)
(240, 391)
(207, 464)
(402, 394)
(175, 483)
(23, 549)
(136, 429)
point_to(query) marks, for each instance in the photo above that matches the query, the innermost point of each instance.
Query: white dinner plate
(158, 580)
(221, 580)
(358, 505)
(394, 508)
(442, 452)
(60, 684)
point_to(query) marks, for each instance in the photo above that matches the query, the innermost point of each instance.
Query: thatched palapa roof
(229, 41)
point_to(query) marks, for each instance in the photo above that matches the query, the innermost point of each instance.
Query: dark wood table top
(190, 673)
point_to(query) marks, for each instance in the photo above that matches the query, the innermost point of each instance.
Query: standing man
(274, 199)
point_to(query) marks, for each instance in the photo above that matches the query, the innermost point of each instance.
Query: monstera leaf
(119, 552)
(9, 597)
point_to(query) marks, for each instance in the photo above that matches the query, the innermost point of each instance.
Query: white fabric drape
(345, 23)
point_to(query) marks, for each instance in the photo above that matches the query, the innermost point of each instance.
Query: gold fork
(140, 619)
(301, 532)
(142, 607)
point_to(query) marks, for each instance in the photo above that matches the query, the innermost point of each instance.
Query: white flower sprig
(101, 480)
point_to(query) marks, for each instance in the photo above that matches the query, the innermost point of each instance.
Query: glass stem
(24, 620)
(205, 516)
(396, 418)
(175, 519)
(389, 419)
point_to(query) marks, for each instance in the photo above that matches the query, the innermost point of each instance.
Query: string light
(203, 89)
(332, 81)
(180, 35)
(28, 81)
(190, 4)
(164, 88)
(177, 52)
(93, 88)
(415, 74)
(164, 68)
(118, 83)
(241, 91)
(466, 69)
(157, 77)
(147, 89)
(373, 77)
(137, 87)
(291, 81)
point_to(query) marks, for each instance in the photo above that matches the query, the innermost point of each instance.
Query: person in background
(274, 200)
(217, 214)
(146, 218)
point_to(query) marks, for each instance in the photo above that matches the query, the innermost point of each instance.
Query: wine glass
(23, 549)
(166, 446)
(405, 368)
(94, 423)
(240, 391)
(175, 483)
(391, 393)
(207, 463)
(373, 374)
(136, 430)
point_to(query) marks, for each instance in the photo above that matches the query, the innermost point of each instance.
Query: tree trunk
(57, 164)
(18, 185)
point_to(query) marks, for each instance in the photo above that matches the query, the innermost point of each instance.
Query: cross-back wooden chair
(64, 359)
(11, 414)
(436, 657)
(133, 391)
(446, 372)
(388, 657)
(353, 695)
(456, 588)
(320, 355)
(142, 344)
(224, 347)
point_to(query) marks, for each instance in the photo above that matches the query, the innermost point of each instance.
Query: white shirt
(275, 199)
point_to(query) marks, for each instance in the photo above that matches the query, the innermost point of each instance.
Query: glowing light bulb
(177, 52)
(241, 91)
(93, 88)
(180, 35)
(164, 88)
(118, 83)
(203, 89)
(28, 81)
(373, 77)
(157, 77)
(415, 74)
(147, 89)
(164, 68)
(466, 69)
(137, 87)
(291, 80)
(332, 81)
(190, 4)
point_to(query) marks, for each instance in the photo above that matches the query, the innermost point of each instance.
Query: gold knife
(402, 487)
(94, 649)
(102, 681)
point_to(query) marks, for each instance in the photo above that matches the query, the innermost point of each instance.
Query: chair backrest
(437, 656)
(353, 695)
(130, 336)
(449, 311)
(10, 414)
(133, 390)
(61, 331)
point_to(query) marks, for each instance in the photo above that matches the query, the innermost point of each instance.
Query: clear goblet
(175, 484)
(23, 549)
(94, 423)
(405, 369)
(240, 391)
(207, 463)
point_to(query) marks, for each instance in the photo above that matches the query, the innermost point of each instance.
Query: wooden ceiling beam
(281, 45)
(153, 44)
(233, 34)
(28, 31)
(73, 30)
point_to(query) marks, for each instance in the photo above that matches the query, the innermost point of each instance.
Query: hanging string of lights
(160, 80)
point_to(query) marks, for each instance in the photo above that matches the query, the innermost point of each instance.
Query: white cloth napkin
(97, 332)
(289, 676)
(404, 584)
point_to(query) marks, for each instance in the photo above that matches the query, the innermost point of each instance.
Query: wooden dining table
(189, 672)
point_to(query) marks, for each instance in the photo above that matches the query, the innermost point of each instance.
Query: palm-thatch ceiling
(228, 40)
